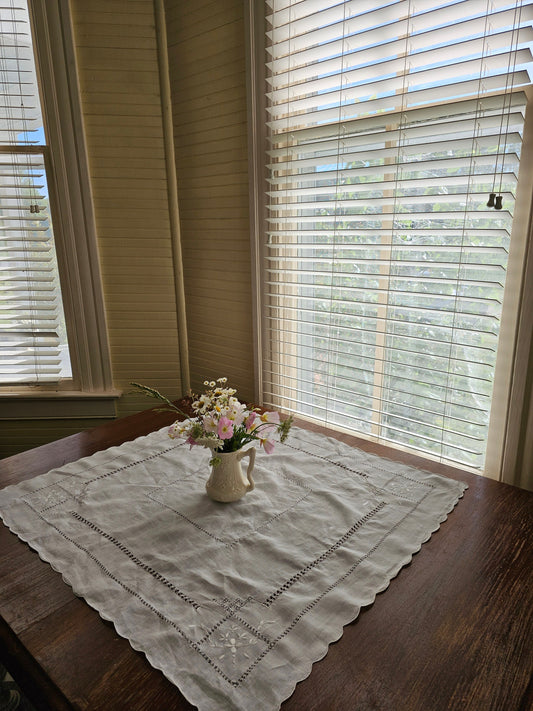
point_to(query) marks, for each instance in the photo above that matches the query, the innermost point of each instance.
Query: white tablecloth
(233, 602)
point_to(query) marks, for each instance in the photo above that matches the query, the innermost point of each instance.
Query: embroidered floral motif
(235, 648)
(76, 487)
(407, 488)
(47, 498)
(231, 641)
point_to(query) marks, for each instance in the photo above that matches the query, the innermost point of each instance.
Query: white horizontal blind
(389, 124)
(33, 344)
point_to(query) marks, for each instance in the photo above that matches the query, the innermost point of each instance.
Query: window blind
(33, 345)
(388, 126)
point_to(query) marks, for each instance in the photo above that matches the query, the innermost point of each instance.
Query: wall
(118, 71)
(119, 81)
(208, 82)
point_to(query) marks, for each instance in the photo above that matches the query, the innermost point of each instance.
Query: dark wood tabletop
(453, 631)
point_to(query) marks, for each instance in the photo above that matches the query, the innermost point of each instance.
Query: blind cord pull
(495, 201)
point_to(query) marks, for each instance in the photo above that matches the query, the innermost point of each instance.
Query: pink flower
(268, 445)
(270, 417)
(225, 428)
(267, 430)
(249, 422)
(173, 430)
(190, 441)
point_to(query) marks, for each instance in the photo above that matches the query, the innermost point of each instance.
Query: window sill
(58, 405)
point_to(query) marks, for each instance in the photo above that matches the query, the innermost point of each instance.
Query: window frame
(90, 393)
(511, 423)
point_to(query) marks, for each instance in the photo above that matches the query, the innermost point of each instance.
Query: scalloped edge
(283, 691)
(286, 691)
(339, 631)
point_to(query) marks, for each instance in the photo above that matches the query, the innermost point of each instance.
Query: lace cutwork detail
(57, 493)
(141, 599)
(136, 463)
(397, 484)
(134, 559)
(296, 493)
(47, 498)
(349, 533)
(325, 459)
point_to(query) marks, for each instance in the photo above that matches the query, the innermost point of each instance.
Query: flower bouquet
(221, 422)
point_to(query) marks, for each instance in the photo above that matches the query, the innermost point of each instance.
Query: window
(388, 126)
(34, 337)
(52, 329)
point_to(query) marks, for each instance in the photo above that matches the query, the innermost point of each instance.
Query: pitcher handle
(251, 454)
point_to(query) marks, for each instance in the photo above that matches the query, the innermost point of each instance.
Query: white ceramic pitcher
(227, 481)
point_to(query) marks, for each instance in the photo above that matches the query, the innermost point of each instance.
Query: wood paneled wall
(206, 48)
(116, 48)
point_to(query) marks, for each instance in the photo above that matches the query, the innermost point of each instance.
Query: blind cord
(496, 200)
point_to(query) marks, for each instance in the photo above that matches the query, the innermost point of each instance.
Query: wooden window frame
(90, 393)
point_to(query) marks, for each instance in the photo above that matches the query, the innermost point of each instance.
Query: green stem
(152, 392)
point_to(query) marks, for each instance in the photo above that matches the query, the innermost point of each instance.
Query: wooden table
(453, 630)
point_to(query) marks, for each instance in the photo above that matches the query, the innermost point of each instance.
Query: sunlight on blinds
(389, 124)
(33, 344)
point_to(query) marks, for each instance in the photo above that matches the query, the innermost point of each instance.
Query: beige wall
(117, 57)
(208, 83)
(116, 48)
